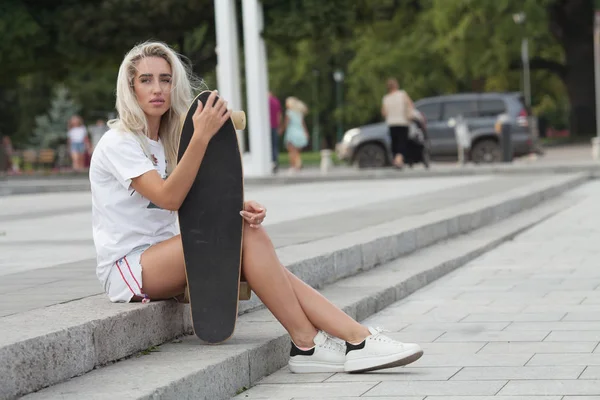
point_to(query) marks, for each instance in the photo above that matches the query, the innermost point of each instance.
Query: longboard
(212, 230)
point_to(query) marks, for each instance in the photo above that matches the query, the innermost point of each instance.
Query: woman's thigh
(163, 269)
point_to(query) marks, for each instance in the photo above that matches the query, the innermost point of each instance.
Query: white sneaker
(378, 351)
(328, 355)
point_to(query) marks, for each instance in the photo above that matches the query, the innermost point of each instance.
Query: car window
(491, 108)
(466, 108)
(431, 111)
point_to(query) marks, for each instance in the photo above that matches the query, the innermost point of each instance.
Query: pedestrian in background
(97, 131)
(79, 142)
(296, 132)
(275, 114)
(397, 109)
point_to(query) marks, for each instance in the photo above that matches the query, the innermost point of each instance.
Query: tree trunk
(571, 23)
(579, 81)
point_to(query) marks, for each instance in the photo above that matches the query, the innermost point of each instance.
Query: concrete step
(185, 369)
(42, 347)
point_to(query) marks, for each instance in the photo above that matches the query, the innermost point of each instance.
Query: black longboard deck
(211, 231)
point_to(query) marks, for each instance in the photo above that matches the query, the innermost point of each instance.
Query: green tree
(80, 43)
(52, 126)
(431, 46)
(307, 41)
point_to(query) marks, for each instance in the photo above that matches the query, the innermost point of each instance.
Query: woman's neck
(153, 126)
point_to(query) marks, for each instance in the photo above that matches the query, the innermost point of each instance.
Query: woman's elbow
(172, 205)
(170, 202)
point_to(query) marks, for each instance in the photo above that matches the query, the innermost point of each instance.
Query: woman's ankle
(304, 340)
(357, 337)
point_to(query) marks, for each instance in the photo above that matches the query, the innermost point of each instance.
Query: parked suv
(370, 146)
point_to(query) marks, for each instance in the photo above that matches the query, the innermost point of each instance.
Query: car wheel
(485, 152)
(370, 155)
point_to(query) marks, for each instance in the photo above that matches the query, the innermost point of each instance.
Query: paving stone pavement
(521, 322)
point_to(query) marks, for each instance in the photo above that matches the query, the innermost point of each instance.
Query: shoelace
(334, 343)
(380, 330)
(382, 338)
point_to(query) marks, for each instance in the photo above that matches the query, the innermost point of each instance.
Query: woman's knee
(252, 233)
(253, 236)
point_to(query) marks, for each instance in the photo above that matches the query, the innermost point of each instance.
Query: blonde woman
(296, 132)
(137, 187)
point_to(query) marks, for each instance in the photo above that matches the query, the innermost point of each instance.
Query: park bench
(42, 158)
(46, 157)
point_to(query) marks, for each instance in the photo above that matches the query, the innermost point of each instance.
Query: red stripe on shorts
(123, 276)
(132, 275)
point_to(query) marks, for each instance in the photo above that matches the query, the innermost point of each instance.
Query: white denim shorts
(125, 278)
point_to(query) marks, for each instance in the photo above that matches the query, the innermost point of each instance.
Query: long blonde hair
(131, 118)
(293, 103)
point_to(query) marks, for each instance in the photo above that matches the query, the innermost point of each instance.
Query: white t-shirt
(396, 107)
(122, 219)
(77, 134)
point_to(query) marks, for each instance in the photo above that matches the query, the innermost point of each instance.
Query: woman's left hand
(253, 213)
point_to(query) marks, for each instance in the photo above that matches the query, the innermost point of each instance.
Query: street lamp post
(596, 140)
(519, 19)
(338, 76)
(315, 112)
(597, 63)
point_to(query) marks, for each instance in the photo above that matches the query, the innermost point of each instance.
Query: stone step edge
(41, 361)
(359, 296)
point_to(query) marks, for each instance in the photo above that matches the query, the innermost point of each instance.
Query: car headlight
(349, 135)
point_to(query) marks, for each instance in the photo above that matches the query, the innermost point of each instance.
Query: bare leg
(296, 305)
(80, 161)
(325, 315)
(298, 159)
(290, 150)
(163, 269)
(271, 284)
(293, 156)
(75, 161)
(399, 160)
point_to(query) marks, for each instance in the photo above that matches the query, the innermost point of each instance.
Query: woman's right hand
(210, 117)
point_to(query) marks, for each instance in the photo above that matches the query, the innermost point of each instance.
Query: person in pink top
(275, 114)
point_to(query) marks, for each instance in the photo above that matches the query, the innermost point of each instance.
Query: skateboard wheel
(239, 120)
(245, 291)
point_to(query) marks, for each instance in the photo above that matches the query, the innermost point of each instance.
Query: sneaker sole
(314, 367)
(370, 364)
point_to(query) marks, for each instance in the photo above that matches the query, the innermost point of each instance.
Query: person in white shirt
(97, 131)
(397, 109)
(78, 141)
(137, 187)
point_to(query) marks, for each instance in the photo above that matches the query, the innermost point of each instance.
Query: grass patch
(149, 350)
(562, 141)
(241, 390)
(309, 158)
